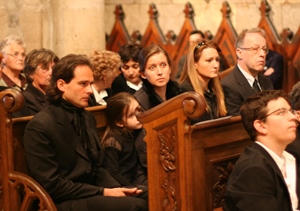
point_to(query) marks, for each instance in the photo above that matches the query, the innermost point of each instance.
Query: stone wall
(65, 26)
(79, 26)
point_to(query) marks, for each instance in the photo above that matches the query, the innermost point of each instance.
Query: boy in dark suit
(62, 146)
(265, 176)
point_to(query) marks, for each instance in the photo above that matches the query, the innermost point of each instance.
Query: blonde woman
(200, 74)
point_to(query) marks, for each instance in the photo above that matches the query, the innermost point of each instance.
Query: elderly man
(245, 79)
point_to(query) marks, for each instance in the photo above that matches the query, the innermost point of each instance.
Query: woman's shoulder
(142, 97)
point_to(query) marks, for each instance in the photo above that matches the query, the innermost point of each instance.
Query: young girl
(124, 132)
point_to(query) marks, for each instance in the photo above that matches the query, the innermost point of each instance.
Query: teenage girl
(124, 132)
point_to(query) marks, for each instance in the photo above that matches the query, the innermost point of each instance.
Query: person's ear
(61, 84)
(239, 53)
(119, 124)
(143, 75)
(260, 127)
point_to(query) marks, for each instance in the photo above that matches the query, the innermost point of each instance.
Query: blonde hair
(190, 73)
(105, 63)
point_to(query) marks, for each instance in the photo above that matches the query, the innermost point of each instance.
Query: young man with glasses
(13, 49)
(265, 176)
(245, 79)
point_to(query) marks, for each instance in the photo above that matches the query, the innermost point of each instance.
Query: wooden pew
(188, 165)
(18, 191)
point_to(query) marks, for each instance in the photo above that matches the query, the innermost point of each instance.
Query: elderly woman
(13, 50)
(38, 71)
(106, 68)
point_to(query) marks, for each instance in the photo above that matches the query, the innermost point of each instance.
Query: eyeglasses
(256, 49)
(198, 46)
(16, 55)
(283, 112)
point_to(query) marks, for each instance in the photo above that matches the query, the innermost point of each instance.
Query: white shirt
(249, 78)
(133, 86)
(100, 95)
(287, 165)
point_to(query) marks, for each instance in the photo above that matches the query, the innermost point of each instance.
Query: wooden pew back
(188, 165)
(15, 184)
(288, 43)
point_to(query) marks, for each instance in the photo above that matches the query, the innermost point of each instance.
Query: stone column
(78, 26)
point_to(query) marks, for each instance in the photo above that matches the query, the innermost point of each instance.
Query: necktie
(255, 86)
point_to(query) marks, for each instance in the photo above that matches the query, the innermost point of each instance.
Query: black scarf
(78, 118)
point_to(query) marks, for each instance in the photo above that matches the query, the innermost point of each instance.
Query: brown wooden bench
(18, 191)
(188, 165)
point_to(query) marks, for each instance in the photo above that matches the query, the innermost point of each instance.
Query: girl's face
(157, 70)
(208, 64)
(130, 121)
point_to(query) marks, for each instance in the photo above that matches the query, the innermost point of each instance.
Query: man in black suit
(265, 176)
(63, 151)
(245, 80)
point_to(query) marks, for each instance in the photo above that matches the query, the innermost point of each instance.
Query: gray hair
(10, 40)
(240, 39)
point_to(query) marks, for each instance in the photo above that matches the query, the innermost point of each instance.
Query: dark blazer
(237, 89)
(119, 85)
(147, 97)
(35, 99)
(57, 159)
(256, 183)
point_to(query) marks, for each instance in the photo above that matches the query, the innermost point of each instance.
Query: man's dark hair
(255, 108)
(197, 32)
(130, 51)
(64, 69)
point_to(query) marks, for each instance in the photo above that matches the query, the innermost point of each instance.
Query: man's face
(280, 124)
(13, 58)
(197, 38)
(79, 89)
(252, 55)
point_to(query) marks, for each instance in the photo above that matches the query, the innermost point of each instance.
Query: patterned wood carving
(220, 175)
(167, 137)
